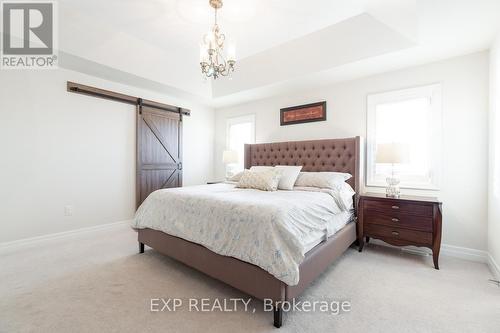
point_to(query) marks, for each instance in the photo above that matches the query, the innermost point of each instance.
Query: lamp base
(392, 189)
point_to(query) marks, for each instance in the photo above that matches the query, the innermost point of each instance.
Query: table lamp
(229, 157)
(392, 153)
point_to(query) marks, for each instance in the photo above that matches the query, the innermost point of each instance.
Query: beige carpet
(97, 283)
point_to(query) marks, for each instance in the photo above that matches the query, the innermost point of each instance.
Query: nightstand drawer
(398, 206)
(411, 236)
(398, 220)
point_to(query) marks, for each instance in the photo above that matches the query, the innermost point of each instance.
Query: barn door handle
(179, 165)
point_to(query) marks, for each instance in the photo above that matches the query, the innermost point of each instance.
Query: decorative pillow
(236, 177)
(289, 175)
(266, 180)
(331, 180)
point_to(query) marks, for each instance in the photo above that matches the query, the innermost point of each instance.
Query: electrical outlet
(68, 210)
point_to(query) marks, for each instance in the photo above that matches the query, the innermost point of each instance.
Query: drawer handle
(395, 220)
(395, 233)
(395, 207)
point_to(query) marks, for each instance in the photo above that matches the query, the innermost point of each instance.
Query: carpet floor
(98, 283)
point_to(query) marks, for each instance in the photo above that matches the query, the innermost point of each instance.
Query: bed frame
(340, 155)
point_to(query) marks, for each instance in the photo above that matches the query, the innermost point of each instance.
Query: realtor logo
(29, 39)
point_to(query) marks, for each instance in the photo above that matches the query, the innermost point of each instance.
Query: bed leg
(141, 247)
(278, 316)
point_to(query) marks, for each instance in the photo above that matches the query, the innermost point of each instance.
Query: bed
(309, 258)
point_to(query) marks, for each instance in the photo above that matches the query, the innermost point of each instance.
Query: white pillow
(331, 180)
(289, 174)
(266, 180)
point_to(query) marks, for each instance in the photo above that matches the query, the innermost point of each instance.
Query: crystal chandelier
(213, 61)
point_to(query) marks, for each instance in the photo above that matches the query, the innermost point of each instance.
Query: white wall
(494, 157)
(465, 117)
(59, 148)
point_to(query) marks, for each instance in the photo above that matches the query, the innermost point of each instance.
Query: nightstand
(407, 220)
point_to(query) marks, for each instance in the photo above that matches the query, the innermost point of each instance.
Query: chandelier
(214, 61)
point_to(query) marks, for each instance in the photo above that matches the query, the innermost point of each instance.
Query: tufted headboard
(340, 155)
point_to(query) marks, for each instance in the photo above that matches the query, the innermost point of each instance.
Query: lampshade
(393, 153)
(229, 156)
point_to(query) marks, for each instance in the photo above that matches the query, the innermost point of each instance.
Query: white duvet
(272, 230)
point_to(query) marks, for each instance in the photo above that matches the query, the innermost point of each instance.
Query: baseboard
(495, 269)
(464, 253)
(446, 250)
(33, 240)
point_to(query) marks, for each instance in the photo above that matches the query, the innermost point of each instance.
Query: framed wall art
(303, 114)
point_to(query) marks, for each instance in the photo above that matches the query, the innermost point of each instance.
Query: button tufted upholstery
(340, 155)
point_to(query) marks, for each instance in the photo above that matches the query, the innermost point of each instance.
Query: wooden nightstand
(407, 220)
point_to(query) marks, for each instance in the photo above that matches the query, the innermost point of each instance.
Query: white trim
(494, 267)
(464, 253)
(446, 250)
(33, 240)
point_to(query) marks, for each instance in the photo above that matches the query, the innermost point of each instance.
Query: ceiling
(281, 44)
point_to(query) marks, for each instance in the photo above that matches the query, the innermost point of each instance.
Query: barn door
(159, 150)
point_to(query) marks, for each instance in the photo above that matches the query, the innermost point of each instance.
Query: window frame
(434, 93)
(230, 121)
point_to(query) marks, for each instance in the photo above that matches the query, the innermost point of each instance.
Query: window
(239, 131)
(412, 118)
